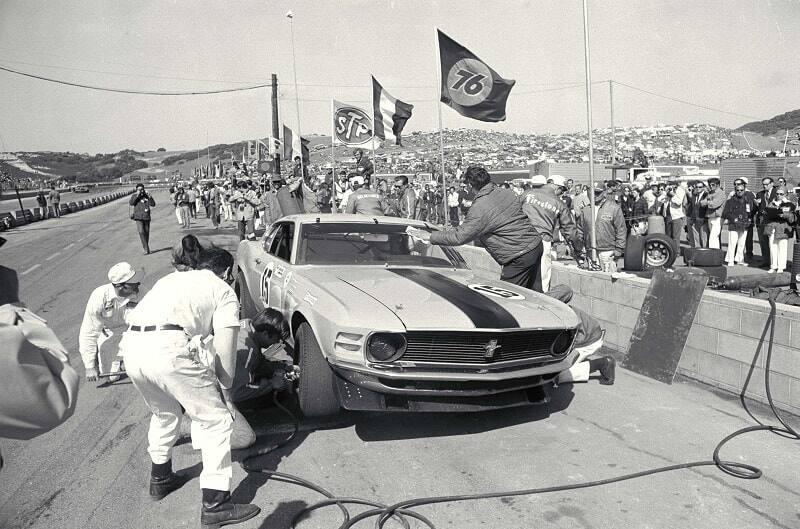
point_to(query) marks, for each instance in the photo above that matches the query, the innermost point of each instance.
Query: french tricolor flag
(390, 114)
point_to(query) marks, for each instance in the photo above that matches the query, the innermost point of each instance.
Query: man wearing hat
(107, 308)
(714, 202)
(609, 225)
(548, 214)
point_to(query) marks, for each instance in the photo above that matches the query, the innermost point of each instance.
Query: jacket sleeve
(622, 232)
(467, 231)
(411, 204)
(568, 225)
(725, 210)
(133, 200)
(91, 327)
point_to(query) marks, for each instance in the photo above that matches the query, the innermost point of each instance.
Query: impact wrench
(403, 510)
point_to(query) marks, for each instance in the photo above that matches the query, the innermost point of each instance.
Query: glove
(91, 374)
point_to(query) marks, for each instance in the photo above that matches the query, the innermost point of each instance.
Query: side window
(269, 237)
(281, 245)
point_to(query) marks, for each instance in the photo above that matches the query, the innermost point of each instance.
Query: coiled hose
(403, 510)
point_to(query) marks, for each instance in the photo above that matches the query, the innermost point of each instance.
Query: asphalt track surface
(92, 472)
(11, 204)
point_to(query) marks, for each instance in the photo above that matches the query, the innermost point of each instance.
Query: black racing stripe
(484, 312)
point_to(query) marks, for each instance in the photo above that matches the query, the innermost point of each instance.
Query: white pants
(546, 265)
(169, 376)
(715, 230)
(179, 215)
(778, 251)
(607, 261)
(579, 372)
(736, 241)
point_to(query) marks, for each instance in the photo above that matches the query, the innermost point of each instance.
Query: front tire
(316, 392)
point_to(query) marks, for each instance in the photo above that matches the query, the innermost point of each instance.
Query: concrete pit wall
(725, 335)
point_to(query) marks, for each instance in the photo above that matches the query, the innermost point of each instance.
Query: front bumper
(363, 391)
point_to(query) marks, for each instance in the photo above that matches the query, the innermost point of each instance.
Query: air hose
(404, 510)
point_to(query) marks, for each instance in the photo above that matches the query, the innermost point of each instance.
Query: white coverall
(105, 313)
(169, 375)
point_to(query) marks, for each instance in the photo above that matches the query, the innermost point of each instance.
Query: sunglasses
(781, 194)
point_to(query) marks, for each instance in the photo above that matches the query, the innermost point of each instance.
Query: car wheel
(316, 393)
(634, 253)
(659, 251)
(247, 308)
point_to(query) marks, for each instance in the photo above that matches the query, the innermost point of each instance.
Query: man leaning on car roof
(496, 219)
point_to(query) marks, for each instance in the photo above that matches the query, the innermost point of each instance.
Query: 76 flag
(469, 86)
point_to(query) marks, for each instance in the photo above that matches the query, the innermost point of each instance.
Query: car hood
(447, 299)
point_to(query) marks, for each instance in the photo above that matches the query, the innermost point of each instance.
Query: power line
(683, 101)
(139, 92)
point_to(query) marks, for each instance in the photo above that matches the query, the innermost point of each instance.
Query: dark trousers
(763, 241)
(748, 245)
(56, 209)
(676, 231)
(143, 227)
(525, 270)
(454, 216)
(193, 209)
(245, 227)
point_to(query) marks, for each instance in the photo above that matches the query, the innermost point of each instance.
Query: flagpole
(587, 61)
(290, 16)
(439, 108)
(334, 208)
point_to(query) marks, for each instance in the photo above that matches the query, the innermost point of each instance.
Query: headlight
(386, 347)
(563, 342)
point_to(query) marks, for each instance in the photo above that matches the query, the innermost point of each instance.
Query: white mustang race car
(381, 321)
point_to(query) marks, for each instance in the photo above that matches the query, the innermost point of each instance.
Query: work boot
(218, 510)
(607, 367)
(163, 480)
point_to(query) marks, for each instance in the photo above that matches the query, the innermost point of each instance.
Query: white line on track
(70, 245)
(53, 256)
(31, 269)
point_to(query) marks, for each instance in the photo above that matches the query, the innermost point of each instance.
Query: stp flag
(389, 114)
(351, 125)
(469, 86)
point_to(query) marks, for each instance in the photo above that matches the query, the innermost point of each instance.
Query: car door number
(498, 292)
(266, 280)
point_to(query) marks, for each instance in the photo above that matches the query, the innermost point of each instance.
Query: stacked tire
(649, 252)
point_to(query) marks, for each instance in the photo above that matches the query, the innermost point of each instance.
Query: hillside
(777, 125)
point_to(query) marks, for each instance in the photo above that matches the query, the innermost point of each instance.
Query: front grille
(451, 347)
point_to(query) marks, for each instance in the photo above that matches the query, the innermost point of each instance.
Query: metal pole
(613, 132)
(19, 199)
(334, 208)
(587, 61)
(290, 16)
(439, 108)
(276, 133)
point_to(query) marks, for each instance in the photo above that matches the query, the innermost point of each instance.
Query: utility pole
(613, 133)
(275, 123)
(588, 63)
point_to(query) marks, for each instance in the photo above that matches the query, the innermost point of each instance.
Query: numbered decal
(266, 278)
(497, 292)
(469, 82)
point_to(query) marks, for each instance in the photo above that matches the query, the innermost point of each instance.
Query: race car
(382, 321)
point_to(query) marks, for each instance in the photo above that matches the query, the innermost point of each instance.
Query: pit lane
(92, 471)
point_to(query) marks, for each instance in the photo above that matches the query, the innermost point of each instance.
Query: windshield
(370, 244)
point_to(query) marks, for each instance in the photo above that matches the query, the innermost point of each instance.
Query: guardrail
(22, 217)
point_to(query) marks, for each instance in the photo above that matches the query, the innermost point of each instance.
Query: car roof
(329, 218)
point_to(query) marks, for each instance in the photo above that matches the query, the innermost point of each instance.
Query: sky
(733, 55)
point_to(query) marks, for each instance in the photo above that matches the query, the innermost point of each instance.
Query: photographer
(142, 202)
(244, 202)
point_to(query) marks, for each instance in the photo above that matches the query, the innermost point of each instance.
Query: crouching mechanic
(588, 340)
(168, 375)
(262, 367)
(106, 310)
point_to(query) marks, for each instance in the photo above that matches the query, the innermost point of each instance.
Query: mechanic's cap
(599, 187)
(123, 273)
(536, 180)
(357, 180)
(557, 179)
(742, 179)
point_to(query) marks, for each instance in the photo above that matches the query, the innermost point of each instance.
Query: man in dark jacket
(496, 220)
(763, 198)
(142, 202)
(548, 215)
(609, 226)
(739, 210)
(697, 223)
